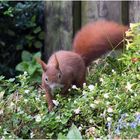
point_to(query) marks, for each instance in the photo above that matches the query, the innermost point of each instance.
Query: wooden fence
(64, 18)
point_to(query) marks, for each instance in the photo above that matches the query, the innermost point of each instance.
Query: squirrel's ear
(56, 62)
(42, 63)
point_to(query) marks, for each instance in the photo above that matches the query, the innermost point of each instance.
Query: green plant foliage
(73, 133)
(30, 65)
(107, 107)
(21, 28)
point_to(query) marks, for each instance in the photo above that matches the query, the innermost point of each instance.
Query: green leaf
(19, 47)
(33, 19)
(37, 30)
(29, 37)
(26, 56)
(74, 133)
(23, 66)
(1, 77)
(37, 55)
(10, 32)
(41, 35)
(61, 136)
(38, 44)
(32, 69)
(11, 80)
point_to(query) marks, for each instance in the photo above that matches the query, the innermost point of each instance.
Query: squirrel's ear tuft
(56, 62)
(42, 63)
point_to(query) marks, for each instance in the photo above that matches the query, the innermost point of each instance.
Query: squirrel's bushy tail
(95, 39)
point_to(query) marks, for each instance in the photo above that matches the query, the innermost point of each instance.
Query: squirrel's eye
(59, 75)
(46, 79)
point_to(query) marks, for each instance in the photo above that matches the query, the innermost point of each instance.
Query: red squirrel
(66, 68)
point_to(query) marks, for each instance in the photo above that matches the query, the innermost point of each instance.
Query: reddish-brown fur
(94, 39)
(65, 68)
(72, 67)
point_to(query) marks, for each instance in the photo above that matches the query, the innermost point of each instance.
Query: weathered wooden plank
(76, 16)
(59, 28)
(94, 10)
(134, 11)
(125, 12)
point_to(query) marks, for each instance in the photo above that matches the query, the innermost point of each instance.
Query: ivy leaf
(74, 133)
(23, 66)
(61, 136)
(38, 44)
(36, 55)
(29, 37)
(41, 35)
(26, 56)
(33, 19)
(37, 30)
(32, 69)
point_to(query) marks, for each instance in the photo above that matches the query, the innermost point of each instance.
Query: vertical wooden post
(94, 10)
(134, 14)
(59, 28)
(76, 16)
(125, 12)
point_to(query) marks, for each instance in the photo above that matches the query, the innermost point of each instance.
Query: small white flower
(84, 92)
(5, 132)
(91, 121)
(1, 112)
(135, 94)
(21, 112)
(91, 130)
(109, 110)
(129, 87)
(11, 105)
(107, 103)
(102, 115)
(101, 80)
(75, 101)
(18, 109)
(96, 101)
(80, 128)
(74, 87)
(3, 138)
(109, 119)
(37, 98)
(25, 100)
(77, 111)
(113, 70)
(25, 73)
(98, 139)
(56, 103)
(91, 87)
(137, 113)
(38, 118)
(26, 91)
(69, 89)
(106, 95)
(58, 118)
(92, 105)
(117, 96)
(31, 135)
(84, 85)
